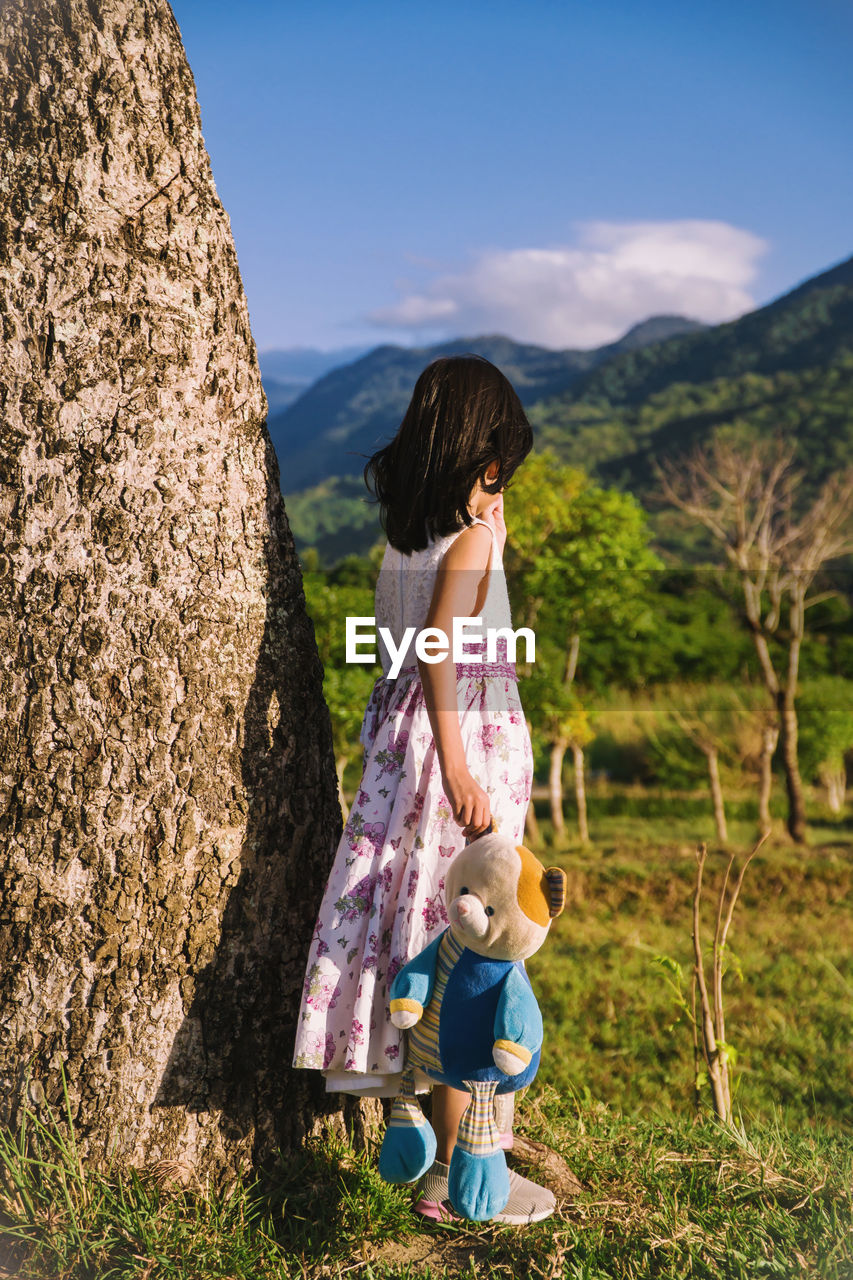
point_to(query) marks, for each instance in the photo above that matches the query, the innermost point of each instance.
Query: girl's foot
(432, 1192)
(528, 1202)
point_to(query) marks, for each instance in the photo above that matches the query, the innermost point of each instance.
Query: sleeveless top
(404, 593)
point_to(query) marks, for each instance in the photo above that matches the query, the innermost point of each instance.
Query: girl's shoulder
(471, 547)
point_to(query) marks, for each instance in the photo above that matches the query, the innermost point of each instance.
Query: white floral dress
(384, 901)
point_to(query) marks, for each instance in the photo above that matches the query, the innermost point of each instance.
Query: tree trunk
(168, 798)
(783, 695)
(555, 785)
(580, 792)
(793, 782)
(572, 658)
(834, 778)
(770, 737)
(788, 719)
(717, 795)
(341, 763)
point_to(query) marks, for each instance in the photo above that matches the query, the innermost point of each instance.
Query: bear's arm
(411, 990)
(518, 1025)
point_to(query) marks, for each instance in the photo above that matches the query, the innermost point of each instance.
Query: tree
(169, 806)
(756, 738)
(826, 735)
(704, 1010)
(748, 502)
(578, 567)
(708, 719)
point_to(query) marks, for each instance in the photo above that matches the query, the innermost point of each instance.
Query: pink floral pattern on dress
(384, 901)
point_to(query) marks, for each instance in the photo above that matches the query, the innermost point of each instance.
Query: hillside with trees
(353, 409)
(784, 370)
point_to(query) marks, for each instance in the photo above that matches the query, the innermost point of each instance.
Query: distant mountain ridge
(349, 411)
(305, 364)
(655, 329)
(762, 341)
(785, 369)
(288, 372)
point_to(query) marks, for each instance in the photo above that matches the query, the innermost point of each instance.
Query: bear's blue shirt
(467, 1023)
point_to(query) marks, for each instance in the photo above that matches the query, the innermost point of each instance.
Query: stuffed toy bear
(472, 1018)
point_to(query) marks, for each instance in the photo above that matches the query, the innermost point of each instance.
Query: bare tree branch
(747, 501)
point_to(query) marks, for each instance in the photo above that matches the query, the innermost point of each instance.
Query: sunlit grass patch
(666, 1194)
(666, 1199)
(613, 1025)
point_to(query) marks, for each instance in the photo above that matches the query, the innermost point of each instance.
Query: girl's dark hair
(463, 415)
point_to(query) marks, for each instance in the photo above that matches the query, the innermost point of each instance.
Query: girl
(446, 748)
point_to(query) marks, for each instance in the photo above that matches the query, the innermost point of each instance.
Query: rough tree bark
(169, 799)
(341, 763)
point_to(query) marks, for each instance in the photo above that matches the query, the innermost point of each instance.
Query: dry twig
(715, 1051)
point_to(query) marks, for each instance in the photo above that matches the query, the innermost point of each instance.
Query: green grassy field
(614, 1029)
(663, 1199)
(669, 1193)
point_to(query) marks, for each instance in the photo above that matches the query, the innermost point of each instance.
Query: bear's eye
(490, 911)
(463, 891)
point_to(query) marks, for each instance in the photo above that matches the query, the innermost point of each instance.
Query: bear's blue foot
(407, 1153)
(478, 1185)
(408, 1148)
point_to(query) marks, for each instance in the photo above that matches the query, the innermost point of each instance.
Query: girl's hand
(495, 515)
(469, 802)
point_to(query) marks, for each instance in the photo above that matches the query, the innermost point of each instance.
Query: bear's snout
(468, 914)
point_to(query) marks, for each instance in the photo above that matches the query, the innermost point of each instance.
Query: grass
(613, 1025)
(664, 1199)
(669, 1194)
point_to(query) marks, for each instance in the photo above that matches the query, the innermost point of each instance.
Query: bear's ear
(556, 878)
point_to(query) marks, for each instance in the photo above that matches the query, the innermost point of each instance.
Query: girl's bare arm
(460, 582)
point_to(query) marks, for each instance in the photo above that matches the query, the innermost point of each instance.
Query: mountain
(805, 328)
(289, 371)
(304, 364)
(342, 418)
(280, 394)
(656, 329)
(786, 368)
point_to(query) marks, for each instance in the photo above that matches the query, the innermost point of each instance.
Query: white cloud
(589, 293)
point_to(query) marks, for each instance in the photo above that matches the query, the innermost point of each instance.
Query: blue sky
(403, 171)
